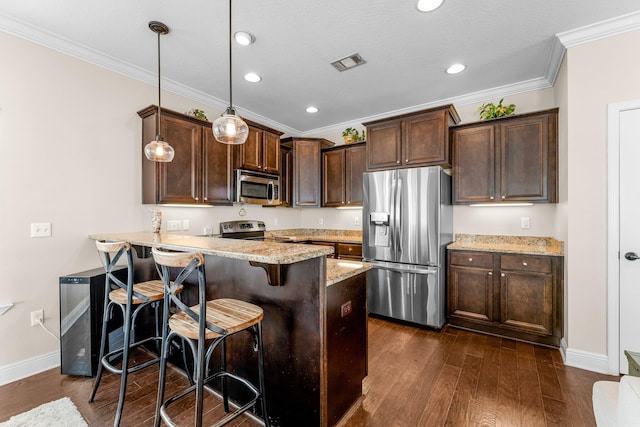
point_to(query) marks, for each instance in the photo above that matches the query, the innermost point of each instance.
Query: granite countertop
(338, 269)
(250, 250)
(321, 235)
(531, 245)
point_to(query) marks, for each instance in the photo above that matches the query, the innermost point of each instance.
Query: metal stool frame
(201, 356)
(129, 319)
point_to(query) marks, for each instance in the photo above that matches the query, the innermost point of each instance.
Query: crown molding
(600, 30)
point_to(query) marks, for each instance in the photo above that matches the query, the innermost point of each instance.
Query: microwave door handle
(270, 191)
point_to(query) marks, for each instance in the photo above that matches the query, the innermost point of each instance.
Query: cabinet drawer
(349, 250)
(525, 263)
(471, 259)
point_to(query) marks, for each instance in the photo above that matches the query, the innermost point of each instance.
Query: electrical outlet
(208, 230)
(356, 220)
(174, 225)
(346, 309)
(525, 222)
(37, 316)
(275, 221)
(41, 229)
(321, 221)
(185, 224)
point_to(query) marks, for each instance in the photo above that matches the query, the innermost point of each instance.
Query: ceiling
(508, 46)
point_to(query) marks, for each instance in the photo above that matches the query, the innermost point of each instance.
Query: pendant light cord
(230, 70)
(159, 136)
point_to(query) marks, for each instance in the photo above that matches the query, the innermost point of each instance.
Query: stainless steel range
(247, 229)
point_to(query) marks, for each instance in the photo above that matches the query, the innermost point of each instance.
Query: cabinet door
(384, 145)
(286, 176)
(425, 140)
(474, 165)
(526, 301)
(470, 293)
(524, 159)
(270, 152)
(179, 180)
(333, 178)
(306, 165)
(355, 166)
(250, 153)
(217, 173)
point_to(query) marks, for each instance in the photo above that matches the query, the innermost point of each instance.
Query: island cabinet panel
(506, 160)
(514, 295)
(411, 140)
(201, 170)
(261, 150)
(342, 169)
(307, 170)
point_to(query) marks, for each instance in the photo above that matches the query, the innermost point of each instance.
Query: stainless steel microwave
(256, 188)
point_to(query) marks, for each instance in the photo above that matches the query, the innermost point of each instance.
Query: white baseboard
(586, 360)
(26, 368)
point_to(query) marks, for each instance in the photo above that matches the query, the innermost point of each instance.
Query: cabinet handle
(470, 259)
(525, 264)
(490, 273)
(502, 274)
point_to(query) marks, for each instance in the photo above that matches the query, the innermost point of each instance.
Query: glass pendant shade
(230, 129)
(159, 151)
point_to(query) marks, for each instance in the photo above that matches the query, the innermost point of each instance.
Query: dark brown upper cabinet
(511, 159)
(307, 172)
(411, 140)
(342, 169)
(261, 151)
(201, 171)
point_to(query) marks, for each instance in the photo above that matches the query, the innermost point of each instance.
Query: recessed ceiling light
(428, 5)
(456, 68)
(311, 109)
(244, 38)
(252, 77)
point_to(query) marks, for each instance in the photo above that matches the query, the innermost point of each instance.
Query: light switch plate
(525, 222)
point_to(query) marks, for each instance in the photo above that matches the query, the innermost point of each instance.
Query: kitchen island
(315, 318)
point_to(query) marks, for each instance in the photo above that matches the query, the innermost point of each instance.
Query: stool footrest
(109, 367)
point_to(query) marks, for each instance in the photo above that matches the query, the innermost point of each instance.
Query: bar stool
(130, 298)
(214, 320)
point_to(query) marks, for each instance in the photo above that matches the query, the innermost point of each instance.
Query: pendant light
(229, 128)
(158, 150)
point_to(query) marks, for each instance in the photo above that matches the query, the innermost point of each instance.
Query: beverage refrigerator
(407, 224)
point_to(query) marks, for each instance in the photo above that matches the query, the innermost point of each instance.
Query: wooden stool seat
(230, 314)
(153, 290)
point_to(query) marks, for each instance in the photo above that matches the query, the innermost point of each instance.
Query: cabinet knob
(397, 162)
(490, 273)
(525, 264)
(503, 197)
(205, 198)
(406, 161)
(259, 166)
(197, 198)
(491, 198)
(350, 249)
(502, 275)
(348, 202)
(470, 259)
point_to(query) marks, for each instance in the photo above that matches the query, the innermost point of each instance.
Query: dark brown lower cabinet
(513, 295)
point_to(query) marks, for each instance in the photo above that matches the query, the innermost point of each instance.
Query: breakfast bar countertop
(316, 234)
(250, 250)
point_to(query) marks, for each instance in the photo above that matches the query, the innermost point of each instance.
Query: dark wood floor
(416, 378)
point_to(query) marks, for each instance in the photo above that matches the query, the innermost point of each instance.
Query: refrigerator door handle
(398, 218)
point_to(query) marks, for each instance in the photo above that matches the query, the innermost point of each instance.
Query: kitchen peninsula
(315, 318)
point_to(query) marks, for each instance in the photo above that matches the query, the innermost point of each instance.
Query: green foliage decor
(491, 111)
(352, 135)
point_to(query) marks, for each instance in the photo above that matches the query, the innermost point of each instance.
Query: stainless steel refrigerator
(407, 224)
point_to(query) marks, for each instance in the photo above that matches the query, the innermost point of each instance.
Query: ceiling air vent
(348, 62)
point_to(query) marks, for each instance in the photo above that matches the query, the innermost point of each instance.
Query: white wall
(598, 73)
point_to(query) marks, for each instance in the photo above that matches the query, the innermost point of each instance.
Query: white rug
(60, 412)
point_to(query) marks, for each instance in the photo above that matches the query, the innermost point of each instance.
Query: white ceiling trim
(555, 61)
(600, 30)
